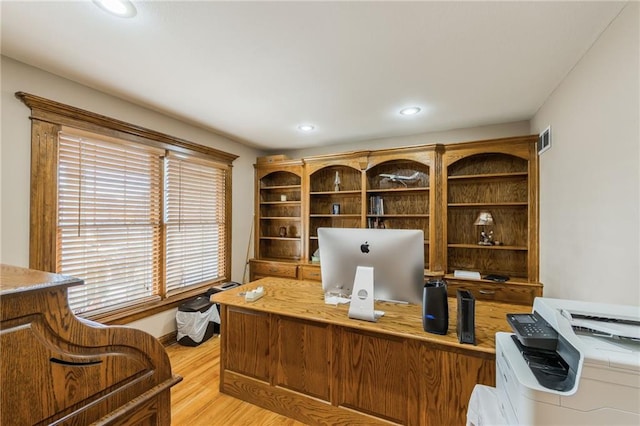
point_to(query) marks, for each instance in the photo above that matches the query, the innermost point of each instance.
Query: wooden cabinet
(251, 336)
(334, 194)
(302, 351)
(291, 353)
(512, 292)
(497, 180)
(58, 369)
(268, 268)
(440, 189)
(309, 272)
(402, 193)
(278, 228)
(373, 374)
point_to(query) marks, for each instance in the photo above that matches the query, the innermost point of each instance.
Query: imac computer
(394, 256)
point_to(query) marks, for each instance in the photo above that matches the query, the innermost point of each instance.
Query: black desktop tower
(435, 308)
(466, 317)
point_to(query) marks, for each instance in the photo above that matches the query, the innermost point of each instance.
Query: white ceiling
(255, 70)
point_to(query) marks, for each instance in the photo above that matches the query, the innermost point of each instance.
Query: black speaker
(435, 308)
(466, 327)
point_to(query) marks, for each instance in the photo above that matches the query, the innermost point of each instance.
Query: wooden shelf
(512, 280)
(293, 262)
(509, 204)
(383, 190)
(350, 192)
(490, 176)
(334, 215)
(281, 238)
(401, 216)
(406, 207)
(273, 216)
(493, 176)
(281, 203)
(481, 247)
(280, 187)
(290, 218)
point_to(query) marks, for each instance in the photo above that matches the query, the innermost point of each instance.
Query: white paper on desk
(336, 300)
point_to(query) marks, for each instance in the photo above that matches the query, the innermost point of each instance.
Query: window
(109, 227)
(111, 230)
(142, 217)
(194, 219)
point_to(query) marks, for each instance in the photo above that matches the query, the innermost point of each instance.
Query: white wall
(590, 178)
(15, 163)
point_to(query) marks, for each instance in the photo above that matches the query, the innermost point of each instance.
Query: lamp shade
(484, 218)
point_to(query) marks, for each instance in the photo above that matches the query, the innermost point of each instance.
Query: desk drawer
(274, 269)
(522, 294)
(309, 273)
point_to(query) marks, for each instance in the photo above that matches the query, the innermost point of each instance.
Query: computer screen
(396, 256)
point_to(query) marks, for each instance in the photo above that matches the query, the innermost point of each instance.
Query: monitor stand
(361, 306)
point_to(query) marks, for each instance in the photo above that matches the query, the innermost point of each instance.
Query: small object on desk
(497, 278)
(435, 307)
(229, 284)
(473, 275)
(333, 299)
(253, 295)
(466, 324)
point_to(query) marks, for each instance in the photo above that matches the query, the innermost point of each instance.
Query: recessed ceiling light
(410, 111)
(306, 127)
(121, 8)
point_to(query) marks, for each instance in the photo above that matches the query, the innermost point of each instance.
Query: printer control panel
(533, 331)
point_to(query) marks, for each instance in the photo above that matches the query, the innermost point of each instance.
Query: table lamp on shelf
(485, 219)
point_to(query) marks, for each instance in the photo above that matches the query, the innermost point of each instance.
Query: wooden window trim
(48, 117)
(57, 113)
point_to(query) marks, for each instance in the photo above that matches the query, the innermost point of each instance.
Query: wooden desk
(57, 369)
(291, 353)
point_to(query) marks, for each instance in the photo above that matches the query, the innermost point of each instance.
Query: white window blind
(195, 222)
(109, 221)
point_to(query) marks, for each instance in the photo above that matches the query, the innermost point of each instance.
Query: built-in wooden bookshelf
(279, 224)
(497, 178)
(334, 194)
(440, 189)
(399, 193)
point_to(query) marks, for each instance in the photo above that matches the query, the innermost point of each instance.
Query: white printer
(568, 362)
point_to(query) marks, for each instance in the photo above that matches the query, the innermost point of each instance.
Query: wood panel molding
(44, 202)
(58, 113)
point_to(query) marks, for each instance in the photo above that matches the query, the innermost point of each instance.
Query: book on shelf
(376, 223)
(376, 205)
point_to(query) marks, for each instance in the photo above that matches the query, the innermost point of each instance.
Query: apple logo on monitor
(364, 247)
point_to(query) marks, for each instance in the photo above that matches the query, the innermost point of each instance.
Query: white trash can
(197, 321)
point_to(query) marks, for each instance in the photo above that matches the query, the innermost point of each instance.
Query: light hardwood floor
(197, 401)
